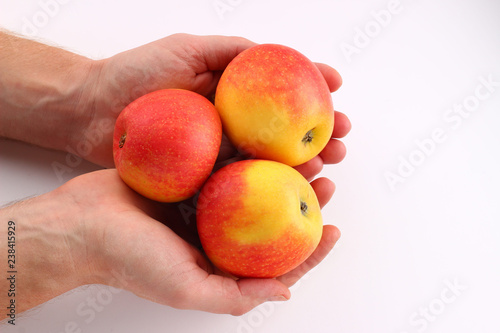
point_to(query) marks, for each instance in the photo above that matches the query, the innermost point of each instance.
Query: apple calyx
(303, 207)
(308, 137)
(122, 140)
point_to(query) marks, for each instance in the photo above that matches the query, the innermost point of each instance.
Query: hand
(95, 229)
(152, 261)
(111, 235)
(193, 284)
(72, 102)
(178, 61)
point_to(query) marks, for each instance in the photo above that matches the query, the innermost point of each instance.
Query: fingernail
(277, 298)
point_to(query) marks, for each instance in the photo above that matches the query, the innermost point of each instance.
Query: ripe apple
(275, 104)
(166, 142)
(258, 218)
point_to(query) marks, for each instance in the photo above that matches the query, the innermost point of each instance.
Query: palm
(141, 254)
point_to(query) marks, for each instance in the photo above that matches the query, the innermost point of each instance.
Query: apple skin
(269, 98)
(166, 142)
(250, 219)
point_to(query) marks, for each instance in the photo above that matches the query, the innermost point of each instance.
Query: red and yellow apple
(166, 142)
(258, 218)
(275, 104)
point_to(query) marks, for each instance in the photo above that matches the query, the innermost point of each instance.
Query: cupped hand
(178, 61)
(148, 257)
(131, 244)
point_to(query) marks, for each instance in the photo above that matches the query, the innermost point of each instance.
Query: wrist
(88, 129)
(47, 95)
(95, 115)
(51, 249)
(74, 235)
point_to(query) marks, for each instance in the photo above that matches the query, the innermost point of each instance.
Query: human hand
(183, 277)
(57, 99)
(138, 253)
(178, 61)
(81, 233)
(95, 229)
(202, 290)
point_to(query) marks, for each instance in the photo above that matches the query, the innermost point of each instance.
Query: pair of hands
(113, 236)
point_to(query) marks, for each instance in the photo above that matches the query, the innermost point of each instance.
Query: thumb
(219, 294)
(219, 51)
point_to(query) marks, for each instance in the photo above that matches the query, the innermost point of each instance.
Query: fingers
(324, 189)
(342, 125)
(214, 53)
(311, 168)
(218, 51)
(220, 294)
(223, 294)
(330, 236)
(334, 152)
(332, 77)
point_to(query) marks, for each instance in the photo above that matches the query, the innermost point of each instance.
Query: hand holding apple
(114, 217)
(277, 260)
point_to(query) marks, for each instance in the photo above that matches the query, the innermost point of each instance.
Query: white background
(401, 246)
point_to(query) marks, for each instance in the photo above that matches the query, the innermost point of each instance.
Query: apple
(258, 218)
(275, 104)
(165, 144)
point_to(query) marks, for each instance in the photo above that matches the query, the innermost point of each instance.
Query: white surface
(400, 249)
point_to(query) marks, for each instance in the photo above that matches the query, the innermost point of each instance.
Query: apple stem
(122, 140)
(308, 137)
(303, 207)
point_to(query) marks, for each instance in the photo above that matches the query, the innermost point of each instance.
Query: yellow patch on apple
(275, 104)
(258, 218)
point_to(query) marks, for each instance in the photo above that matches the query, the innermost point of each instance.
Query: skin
(94, 228)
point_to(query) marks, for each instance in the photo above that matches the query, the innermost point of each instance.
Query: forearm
(48, 253)
(44, 93)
